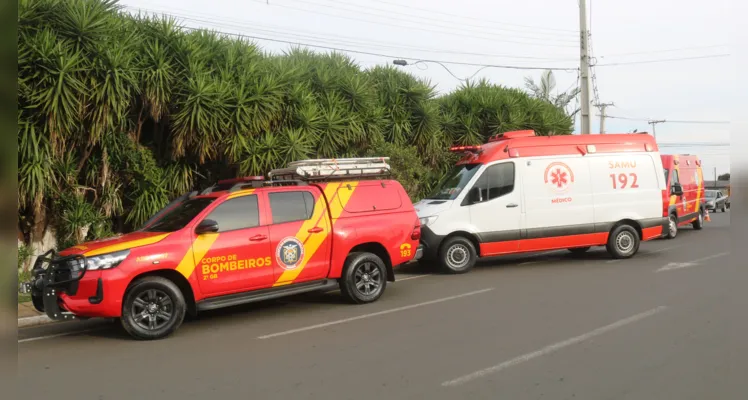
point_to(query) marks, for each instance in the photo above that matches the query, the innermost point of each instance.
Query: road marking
(376, 314)
(680, 265)
(651, 252)
(553, 348)
(410, 277)
(33, 339)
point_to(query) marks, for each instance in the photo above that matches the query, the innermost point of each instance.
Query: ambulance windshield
(453, 183)
(179, 216)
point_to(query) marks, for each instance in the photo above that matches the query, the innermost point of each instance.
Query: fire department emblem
(289, 253)
(559, 177)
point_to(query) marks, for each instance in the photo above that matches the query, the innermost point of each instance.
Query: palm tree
(545, 91)
(118, 113)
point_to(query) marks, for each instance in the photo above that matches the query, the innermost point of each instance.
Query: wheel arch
(633, 223)
(182, 283)
(467, 235)
(380, 251)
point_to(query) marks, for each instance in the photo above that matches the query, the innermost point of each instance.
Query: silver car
(716, 200)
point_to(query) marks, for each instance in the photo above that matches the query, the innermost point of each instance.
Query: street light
(404, 63)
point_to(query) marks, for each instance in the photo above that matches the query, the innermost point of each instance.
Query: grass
(23, 277)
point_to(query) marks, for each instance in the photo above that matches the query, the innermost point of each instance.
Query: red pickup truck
(317, 225)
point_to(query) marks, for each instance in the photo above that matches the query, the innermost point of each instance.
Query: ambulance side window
(496, 181)
(239, 213)
(676, 178)
(291, 206)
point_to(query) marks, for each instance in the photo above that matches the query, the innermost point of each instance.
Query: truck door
(299, 235)
(495, 212)
(239, 258)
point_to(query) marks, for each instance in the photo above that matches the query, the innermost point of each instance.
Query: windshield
(711, 194)
(452, 184)
(179, 216)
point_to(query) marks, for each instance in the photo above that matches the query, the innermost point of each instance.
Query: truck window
(291, 206)
(239, 213)
(179, 216)
(453, 183)
(496, 181)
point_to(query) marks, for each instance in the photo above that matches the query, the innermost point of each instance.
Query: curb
(34, 321)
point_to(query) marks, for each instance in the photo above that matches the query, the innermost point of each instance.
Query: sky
(625, 38)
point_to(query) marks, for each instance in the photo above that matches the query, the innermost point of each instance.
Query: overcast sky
(533, 33)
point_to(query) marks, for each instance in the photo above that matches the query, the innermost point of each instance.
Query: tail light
(665, 203)
(416, 234)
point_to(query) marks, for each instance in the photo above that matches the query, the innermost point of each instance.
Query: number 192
(623, 180)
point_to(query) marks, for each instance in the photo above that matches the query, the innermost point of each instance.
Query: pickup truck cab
(334, 224)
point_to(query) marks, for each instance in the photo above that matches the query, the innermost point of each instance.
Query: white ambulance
(522, 193)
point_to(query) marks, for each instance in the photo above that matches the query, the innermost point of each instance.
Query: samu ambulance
(522, 193)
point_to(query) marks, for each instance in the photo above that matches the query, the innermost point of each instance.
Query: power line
(662, 60)
(420, 17)
(417, 28)
(390, 56)
(663, 51)
(344, 40)
(568, 31)
(675, 121)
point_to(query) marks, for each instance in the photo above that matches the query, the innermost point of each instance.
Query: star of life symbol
(559, 177)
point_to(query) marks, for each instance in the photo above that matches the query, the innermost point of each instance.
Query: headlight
(426, 221)
(106, 261)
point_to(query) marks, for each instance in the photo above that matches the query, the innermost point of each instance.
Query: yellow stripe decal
(241, 193)
(195, 253)
(312, 242)
(126, 245)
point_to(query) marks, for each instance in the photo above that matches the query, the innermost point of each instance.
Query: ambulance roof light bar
(466, 149)
(331, 169)
(511, 135)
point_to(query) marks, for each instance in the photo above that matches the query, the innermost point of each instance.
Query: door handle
(511, 205)
(316, 229)
(257, 238)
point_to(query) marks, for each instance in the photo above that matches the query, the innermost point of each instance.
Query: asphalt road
(661, 325)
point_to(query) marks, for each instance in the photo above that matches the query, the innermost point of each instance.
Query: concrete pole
(584, 68)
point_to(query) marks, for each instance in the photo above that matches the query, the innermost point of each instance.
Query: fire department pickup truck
(316, 225)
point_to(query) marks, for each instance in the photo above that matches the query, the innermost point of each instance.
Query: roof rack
(326, 169)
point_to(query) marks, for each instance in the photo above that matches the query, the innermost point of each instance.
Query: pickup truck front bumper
(52, 276)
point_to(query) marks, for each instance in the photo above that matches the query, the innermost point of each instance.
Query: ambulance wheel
(364, 278)
(672, 227)
(699, 223)
(623, 242)
(579, 250)
(457, 255)
(153, 308)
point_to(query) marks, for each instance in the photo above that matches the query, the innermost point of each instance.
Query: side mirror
(207, 226)
(677, 189)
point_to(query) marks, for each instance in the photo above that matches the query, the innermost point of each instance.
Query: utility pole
(653, 123)
(602, 107)
(584, 68)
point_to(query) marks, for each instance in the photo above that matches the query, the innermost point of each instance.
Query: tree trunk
(84, 158)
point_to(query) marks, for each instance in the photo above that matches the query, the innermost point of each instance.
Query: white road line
(552, 348)
(651, 252)
(680, 265)
(409, 278)
(33, 339)
(376, 314)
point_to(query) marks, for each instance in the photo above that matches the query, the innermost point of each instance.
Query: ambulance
(520, 192)
(686, 201)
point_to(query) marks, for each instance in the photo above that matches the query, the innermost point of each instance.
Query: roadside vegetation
(119, 113)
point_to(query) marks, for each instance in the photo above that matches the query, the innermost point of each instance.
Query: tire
(457, 255)
(672, 227)
(699, 223)
(723, 208)
(364, 278)
(153, 308)
(579, 250)
(623, 242)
